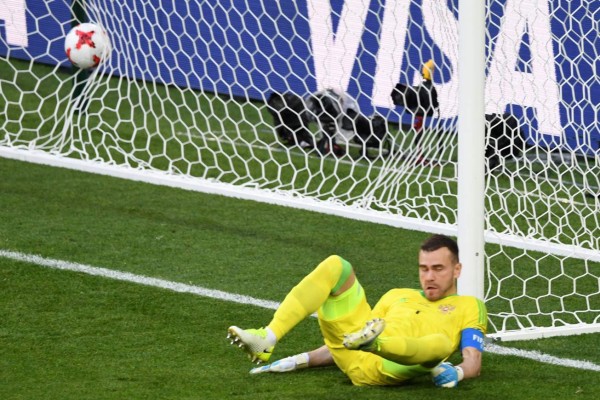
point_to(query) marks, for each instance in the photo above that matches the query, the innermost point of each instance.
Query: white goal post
(502, 148)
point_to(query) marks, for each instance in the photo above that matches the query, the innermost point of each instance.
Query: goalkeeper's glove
(299, 361)
(447, 375)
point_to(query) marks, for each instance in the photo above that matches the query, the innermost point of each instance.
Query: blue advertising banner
(542, 54)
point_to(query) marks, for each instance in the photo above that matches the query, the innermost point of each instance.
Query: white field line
(140, 279)
(541, 357)
(237, 298)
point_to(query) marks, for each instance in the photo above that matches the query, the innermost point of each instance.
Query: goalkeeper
(408, 333)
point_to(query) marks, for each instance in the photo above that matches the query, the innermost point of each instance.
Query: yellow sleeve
(475, 316)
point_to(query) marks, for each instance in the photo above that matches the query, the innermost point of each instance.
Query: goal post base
(544, 332)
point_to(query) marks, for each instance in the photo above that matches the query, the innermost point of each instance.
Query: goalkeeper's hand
(447, 375)
(292, 363)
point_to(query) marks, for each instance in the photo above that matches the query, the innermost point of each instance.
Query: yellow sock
(308, 295)
(426, 350)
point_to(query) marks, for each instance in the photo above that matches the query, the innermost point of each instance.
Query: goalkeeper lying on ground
(407, 334)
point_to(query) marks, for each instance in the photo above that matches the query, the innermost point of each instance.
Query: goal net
(283, 102)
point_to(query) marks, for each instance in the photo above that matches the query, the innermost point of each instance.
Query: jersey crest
(446, 308)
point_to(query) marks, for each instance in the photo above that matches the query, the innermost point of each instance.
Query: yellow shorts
(348, 313)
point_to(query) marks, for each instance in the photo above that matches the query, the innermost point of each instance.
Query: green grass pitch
(67, 335)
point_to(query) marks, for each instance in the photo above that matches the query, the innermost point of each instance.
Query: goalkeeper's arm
(448, 375)
(471, 364)
(320, 357)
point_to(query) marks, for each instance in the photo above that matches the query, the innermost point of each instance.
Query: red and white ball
(87, 45)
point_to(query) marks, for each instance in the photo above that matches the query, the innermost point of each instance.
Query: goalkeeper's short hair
(437, 242)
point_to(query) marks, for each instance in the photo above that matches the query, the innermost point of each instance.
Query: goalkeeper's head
(439, 267)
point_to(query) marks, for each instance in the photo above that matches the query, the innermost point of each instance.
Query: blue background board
(251, 48)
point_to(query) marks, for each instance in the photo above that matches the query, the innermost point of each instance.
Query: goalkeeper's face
(438, 271)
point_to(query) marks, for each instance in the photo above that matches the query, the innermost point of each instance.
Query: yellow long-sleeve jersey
(408, 312)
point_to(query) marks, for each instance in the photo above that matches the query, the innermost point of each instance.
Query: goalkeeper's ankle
(271, 338)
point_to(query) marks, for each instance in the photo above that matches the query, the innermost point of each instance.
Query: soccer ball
(87, 45)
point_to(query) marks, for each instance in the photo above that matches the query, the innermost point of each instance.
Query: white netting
(184, 97)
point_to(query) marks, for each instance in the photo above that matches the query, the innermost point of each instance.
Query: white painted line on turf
(541, 357)
(238, 298)
(140, 279)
